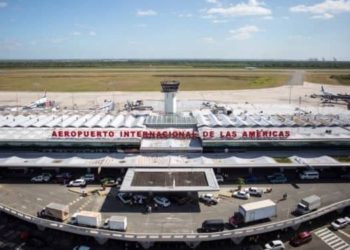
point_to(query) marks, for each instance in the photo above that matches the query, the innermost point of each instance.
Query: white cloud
(323, 16)
(92, 33)
(184, 15)
(208, 40)
(244, 32)
(10, 45)
(216, 2)
(268, 17)
(324, 10)
(146, 13)
(220, 21)
(3, 4)
(76, 33)
(250, 8)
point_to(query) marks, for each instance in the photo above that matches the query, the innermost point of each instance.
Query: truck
(308, 204)
(88, 218)
(55, 211)
(253, 211)
(115, 222)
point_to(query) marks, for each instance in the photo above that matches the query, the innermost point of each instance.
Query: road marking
(342, 232)
(331, 239)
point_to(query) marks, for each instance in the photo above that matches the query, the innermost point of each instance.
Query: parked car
(109, 182)
(81, 247)
(40, 179)
(49, 175)
(275, 245)
(88, 177)
(219, 178)
(162, 201)
(278, 179)
(77, 183)
(241, 194)
(254, 191)
(345, 176)
(251, 179)
(63, 177)
(126, 198)
(340, 223)
(208, 199)
(276, 175)
(301, 238)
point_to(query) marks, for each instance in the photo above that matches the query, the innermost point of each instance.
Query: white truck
(308, 204)
(55, 211)
(254, 211)
(119, 223)
(87, 218)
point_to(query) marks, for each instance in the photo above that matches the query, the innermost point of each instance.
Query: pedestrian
(285, 196)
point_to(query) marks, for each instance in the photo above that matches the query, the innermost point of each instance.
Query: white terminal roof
(244, 115)
(154, 160)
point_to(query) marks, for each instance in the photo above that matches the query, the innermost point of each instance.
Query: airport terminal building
(209, 136)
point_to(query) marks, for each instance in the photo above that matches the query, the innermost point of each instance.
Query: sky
(174, 29)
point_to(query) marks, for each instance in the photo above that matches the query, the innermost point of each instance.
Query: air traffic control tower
(169, 88)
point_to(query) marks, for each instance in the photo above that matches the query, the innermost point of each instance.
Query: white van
(309, 175)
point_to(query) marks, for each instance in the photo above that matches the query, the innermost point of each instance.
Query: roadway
(29, 198)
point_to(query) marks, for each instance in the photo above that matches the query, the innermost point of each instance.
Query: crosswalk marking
(332, 240)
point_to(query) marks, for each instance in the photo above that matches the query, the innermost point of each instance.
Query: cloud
(250, 8)
(208, 40)
(92, 33)
(268, 17)
(220, 21)
(10, 45)
(323, 16)
(146, 13)
(3, 4)
(76, 33)
(184, 15)
(244, 32)
(324, 10)
(212, 1)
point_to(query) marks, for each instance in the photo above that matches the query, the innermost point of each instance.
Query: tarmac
(287, 94)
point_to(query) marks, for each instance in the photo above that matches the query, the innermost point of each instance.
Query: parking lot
(186, 218)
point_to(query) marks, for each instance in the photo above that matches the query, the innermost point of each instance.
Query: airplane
(329, 97)
(39, 103)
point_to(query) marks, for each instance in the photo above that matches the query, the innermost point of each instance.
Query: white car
(241, 194)
(254, 191)
(40, 178)
(162, 201)
(340, 223)
(275, 245)
(88, 177)
(219, 178)
(77, 183)
(208, 199)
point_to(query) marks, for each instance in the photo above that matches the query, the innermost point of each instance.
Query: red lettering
(54, 134)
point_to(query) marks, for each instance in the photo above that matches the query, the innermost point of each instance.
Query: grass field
(137, 79)
(328, 77)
